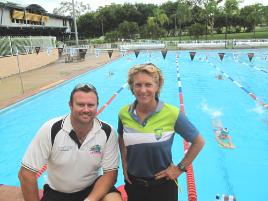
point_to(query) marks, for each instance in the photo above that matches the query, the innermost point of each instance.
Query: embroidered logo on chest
(158, 133)
(96, 149)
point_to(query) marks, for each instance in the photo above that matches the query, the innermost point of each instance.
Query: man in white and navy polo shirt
(77, 148)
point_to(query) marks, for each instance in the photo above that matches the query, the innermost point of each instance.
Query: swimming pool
(241, 171)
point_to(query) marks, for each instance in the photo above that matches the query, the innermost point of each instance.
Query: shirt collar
(132, 111)
(67, 126)
(133, 106)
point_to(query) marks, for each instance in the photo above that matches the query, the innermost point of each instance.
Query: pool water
(241, 172)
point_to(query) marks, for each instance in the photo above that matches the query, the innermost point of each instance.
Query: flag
(110, 52)
(250, 56)
(221, 55)
(192, 55)
(137, 53)
(164, 53)
(37, 49)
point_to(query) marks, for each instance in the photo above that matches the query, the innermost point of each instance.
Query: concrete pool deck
(35, 81)
(10, 193)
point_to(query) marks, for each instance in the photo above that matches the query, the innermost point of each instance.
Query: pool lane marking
(251, 65)
(51, 84)
(252, 95)
(43, 169)
(111, 99)
(192, 195)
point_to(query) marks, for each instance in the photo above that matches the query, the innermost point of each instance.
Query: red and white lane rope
(252, 95)
(192, 195)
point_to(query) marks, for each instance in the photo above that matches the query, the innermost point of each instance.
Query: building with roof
(33, 20)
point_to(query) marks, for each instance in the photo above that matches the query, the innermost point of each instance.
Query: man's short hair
(85, 87)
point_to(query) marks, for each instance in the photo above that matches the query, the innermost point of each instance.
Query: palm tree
(159, 17)
(183, 12)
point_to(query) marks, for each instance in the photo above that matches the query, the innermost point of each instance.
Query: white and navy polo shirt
(149, 143)
(72, 166)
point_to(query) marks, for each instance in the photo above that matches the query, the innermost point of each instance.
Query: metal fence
(25, 45)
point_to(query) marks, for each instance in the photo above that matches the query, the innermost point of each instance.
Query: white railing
(142, 46)
(200, 45)
(223, 44)
(249, 43)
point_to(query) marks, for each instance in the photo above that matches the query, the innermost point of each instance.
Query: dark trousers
(165, 191)
(53, 195)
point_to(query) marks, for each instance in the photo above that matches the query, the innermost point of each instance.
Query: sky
(49, 5)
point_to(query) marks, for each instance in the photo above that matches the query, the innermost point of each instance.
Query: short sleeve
(110, 159)
(120, 127)
(185, 128)
(39, 149)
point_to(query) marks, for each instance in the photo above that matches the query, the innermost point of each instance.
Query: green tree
(183, 14)
(211, 10)
(252, 16)
(112, 36)
(169, 9)
(265, 15)
(128, 29)
(231, 10)
(197, 14)
(158, 18)
(197, 30)
(154, 23)
(130, 13)
(153, 30)
(220, 22)
(108, 18)
(87, 25)
(145, 10)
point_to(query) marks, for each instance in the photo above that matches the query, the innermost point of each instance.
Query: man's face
(83, 107)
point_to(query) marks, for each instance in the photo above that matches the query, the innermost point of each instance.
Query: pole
(175, 27)
(102, 26)
(225, 36)
(206, 28)
(75, 27)
(19, 70)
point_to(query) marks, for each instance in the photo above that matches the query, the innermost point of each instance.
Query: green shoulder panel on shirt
(162, 121)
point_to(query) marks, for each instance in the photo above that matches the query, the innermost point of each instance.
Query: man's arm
(28, 182)
(103, 185)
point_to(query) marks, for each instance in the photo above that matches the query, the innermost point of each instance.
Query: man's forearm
(103, 185)
(29, 185)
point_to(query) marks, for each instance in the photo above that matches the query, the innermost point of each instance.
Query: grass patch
(263, 34)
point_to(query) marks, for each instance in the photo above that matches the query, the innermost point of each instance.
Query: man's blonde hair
(151, 70)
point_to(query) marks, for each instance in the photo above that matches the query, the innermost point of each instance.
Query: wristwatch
(182, 167)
